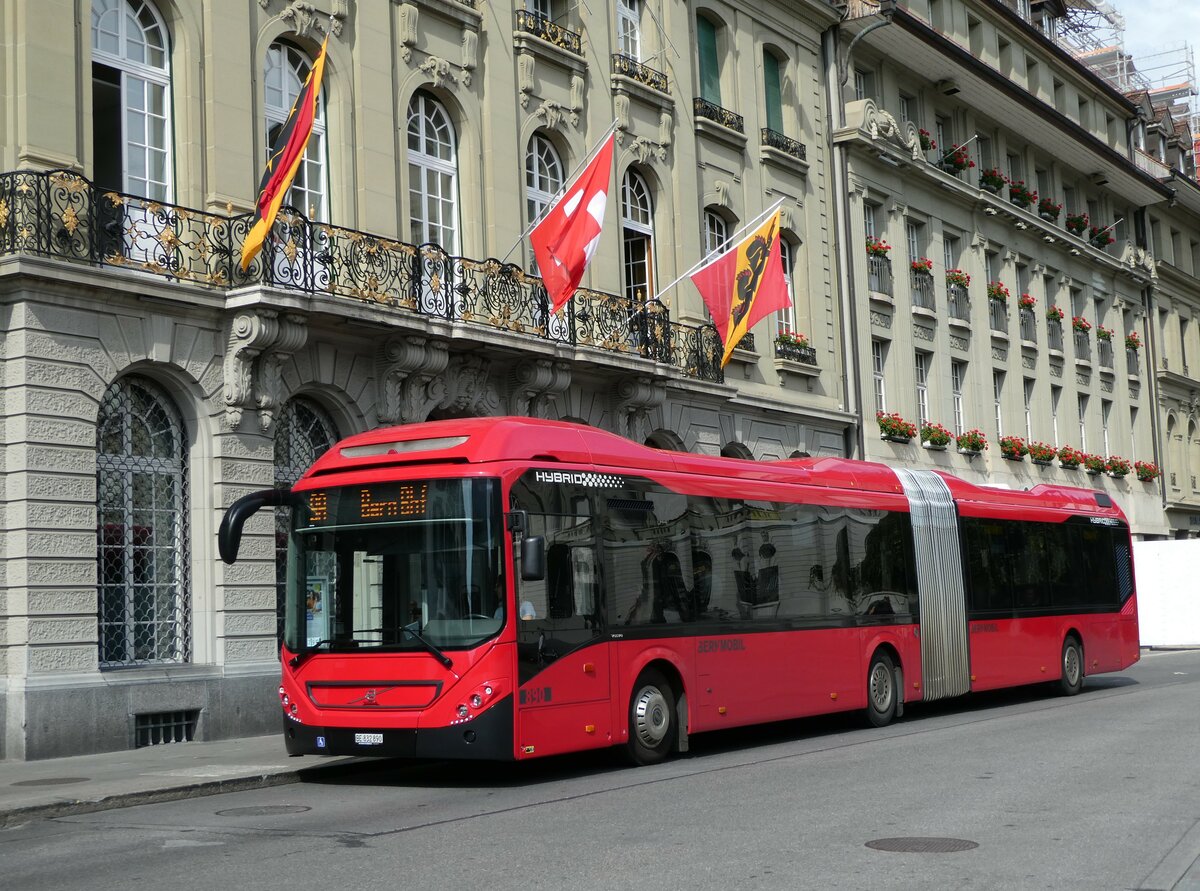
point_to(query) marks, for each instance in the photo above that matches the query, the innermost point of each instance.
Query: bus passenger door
(562, 657)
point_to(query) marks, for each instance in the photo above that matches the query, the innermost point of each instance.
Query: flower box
(997, 291)
(972, 442)
(1041, 453)
(1133, 341)
(958, 277)
(935, 436)
(1048, 210)
(894, 428)
(877, 247)
(1019, 194)
(1077, 223)
(1146, 472)
(1069, 457)
(1118, 467)
(1013, 448)
(1054, 313)
(956, 160)
(992, 180)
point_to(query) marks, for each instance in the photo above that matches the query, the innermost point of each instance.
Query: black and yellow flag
(286, 155)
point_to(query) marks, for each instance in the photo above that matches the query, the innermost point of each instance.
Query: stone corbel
(251, 334)
(535, 383)
(437, 70)
(406, 27)
(666, 124)
(469, 390)
(621, 107)
(408, 371)
(291, 335)
(578, 86)
(635, 398)
(470, 55)
(525, 66)
(304, 16)
(644, 149)
(551, 113)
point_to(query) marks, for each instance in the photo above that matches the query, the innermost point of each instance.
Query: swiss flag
(566, 238)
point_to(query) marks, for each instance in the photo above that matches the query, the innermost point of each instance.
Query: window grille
(142, 548)
(160, 728)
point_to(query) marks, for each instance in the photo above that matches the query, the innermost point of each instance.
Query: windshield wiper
(298, 660)
(434, 651)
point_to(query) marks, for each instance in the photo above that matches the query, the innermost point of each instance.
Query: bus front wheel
(651, 718)
(1071, 680)
(881, 690)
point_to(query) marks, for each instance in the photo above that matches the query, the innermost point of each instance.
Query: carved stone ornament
(439, 71)
(408, 374)
(406, 28)
(469, 389)
(535, 383)
(634, 399)
(259, 342)
(1139, 259)
(525, 67)
(305, 18)
(644, 149)
(878, 124)
(551, 113)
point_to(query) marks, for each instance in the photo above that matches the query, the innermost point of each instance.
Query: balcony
(921, 284)
(998, 316)
(879, 275)
(1028, 325)
(1131, 362)
(805, 355)
(1151, 165)
(544, 29)
(62, 216)
(627, 66)
(959, 302)
(776, 140)
(1054, 335)
(1083, 347)
(712, 112)
(1104, 353)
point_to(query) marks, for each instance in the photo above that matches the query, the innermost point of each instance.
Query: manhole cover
(270, 810)
(922, 845)
(51, 781)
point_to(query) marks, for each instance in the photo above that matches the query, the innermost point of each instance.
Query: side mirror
(533, 558)
(229, 536)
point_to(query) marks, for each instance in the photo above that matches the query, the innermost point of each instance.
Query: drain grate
(159, 728)
(922, 845)
(268, 810)
(50, 781)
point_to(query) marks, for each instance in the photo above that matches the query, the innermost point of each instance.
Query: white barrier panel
(1168, 592)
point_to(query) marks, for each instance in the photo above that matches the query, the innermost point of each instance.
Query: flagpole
(570, 178)
(732, 239)
(959, 147)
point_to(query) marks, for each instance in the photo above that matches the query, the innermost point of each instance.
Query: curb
(21, 815)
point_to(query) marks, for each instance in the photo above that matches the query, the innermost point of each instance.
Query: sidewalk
(84, 783)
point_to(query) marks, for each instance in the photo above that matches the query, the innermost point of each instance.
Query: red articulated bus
(508, 588)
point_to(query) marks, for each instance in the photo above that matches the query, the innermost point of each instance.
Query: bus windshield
(370, 563)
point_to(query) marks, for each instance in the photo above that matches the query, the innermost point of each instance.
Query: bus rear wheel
(651, 718)
(1071, 680)
(881, 690)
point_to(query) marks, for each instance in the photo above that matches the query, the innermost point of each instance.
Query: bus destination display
(379, 502)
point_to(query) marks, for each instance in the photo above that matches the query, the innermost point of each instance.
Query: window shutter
(774, 97)
(710, 72)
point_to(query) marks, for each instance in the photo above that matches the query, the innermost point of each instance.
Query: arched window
(432, 174)
(543, 176)
(286, 70)
(716, 233)
(303, 434)
(637, 232)
(142, 551)
(131, 102)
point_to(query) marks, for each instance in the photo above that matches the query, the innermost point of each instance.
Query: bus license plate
(368, 739)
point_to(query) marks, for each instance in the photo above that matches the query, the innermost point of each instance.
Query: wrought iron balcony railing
(922, 290)
(544, 28)
(723, 116)
(1054, 334)
(63, 216)
(959, 302)
(805, 355)
(998, 315)
(1083, 346)
(879, 274)
(627, 66)
(1028, 325)
(785, 144)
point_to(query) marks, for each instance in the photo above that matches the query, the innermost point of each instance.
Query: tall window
(785, 319)
(1055, 395)
(286, 70)
(950, 251)
(543, 176)
(943, 133)
(992, 264)
(878, 353)
(1083, 402)
(1183, 339)
(710, 63)
(958, 374)
(637, 234)
(629, 28)
(869, 220)
(303, 434)
(912, 232)
(987, 156)
(715, 233)
(772, 86)
(921, 368)
(997, 400)
(432, 174)
(1028, 394)
(142, 537)
(1133, 413)
(544, 8)
(131, 83)
(1105, 410)
(907, 104)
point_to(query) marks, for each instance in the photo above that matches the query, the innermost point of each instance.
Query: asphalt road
(1099, 791)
